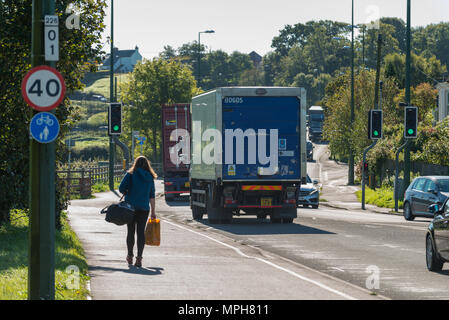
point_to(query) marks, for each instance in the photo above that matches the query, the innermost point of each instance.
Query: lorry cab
(315, 123)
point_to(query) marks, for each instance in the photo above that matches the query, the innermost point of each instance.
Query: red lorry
(175, 123)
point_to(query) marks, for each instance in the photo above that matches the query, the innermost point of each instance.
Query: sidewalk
(335, 191)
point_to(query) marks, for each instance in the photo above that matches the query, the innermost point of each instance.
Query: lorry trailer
(175, 131)
(248, 152)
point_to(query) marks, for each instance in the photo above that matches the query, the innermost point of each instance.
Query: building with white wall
(443, 101)
(124, 60)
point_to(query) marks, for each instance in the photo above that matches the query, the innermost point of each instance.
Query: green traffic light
(116, 127)
(410, 131)
(376, 133)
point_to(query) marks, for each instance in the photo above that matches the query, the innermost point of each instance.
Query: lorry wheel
(197, 213)
(287, 220)
(275, 220)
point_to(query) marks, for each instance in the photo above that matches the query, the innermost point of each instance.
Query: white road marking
(269, 263)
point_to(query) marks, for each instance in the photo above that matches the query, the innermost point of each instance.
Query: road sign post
(43, 90)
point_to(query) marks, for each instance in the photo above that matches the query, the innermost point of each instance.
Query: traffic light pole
(41, 243)
(396, 176)
(364, 172)
(111, 98)
(351, 151)
(407, 95)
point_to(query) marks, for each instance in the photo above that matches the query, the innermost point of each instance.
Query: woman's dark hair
(145, 164)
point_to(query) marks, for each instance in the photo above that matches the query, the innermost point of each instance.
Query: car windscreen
(444, 185)
(308, 179)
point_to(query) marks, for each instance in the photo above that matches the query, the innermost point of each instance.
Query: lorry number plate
(265, 202)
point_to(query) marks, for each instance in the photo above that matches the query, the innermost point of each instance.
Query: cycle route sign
(43, 88)
(44, 127)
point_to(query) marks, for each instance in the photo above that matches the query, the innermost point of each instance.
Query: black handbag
(119, 213)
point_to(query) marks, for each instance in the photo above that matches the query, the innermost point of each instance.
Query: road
(195, 261)
(327, 253)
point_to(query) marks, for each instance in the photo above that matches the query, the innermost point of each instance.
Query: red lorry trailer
(175, 124)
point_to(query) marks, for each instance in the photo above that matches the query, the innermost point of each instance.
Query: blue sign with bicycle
(44, 127)
(141, 140)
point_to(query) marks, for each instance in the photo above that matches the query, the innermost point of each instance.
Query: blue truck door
(281, 113)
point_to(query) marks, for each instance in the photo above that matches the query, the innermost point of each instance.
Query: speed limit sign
(43, 88)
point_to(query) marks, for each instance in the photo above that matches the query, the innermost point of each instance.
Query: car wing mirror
(433, 209)
(315, 182)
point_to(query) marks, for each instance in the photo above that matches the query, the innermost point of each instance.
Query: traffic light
(375, 124)
(410, 122)
(115, 119)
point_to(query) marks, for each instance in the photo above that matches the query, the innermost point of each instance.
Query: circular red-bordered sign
(43, 88)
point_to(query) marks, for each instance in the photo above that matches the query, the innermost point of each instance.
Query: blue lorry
(316, 120)
(248, 153)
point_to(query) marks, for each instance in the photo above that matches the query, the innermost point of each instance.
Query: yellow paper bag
(153, 232)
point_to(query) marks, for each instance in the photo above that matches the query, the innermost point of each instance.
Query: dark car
(309, 194)
(422, 192)
(437, 239)
(309, 151)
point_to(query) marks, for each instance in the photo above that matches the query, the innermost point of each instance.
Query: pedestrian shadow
(146, 271)
(253, 226)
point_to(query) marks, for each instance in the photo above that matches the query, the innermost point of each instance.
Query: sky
(244, 25)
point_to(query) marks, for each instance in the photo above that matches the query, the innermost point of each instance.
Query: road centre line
(267, 262)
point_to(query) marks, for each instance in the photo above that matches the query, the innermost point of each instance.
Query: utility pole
(407, 95)
(111, 98)
(41, 245)
(351, 152)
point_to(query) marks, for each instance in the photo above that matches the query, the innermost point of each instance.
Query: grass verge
(382, 197)
(69, 256)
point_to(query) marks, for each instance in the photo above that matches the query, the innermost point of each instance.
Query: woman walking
(139, 190)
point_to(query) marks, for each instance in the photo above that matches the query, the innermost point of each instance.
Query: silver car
(309, 194)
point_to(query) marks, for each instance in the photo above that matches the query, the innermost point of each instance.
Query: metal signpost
(43, 89)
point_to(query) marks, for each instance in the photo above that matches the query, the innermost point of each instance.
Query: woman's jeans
(138, 225)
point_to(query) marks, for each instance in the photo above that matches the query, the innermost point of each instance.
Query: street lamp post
(199, 54)
(111, 99)
(351, 152)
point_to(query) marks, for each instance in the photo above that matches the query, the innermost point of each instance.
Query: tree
(152, 84)
(390, 44)
(79, 50)
(433, 40)
(422, 69)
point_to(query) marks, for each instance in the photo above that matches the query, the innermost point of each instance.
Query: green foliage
(14, 260)
(422, 69)
(433, 40)
(77, 49)
(152, 84)
(337, 103)
(433, 144)
(382, 197)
